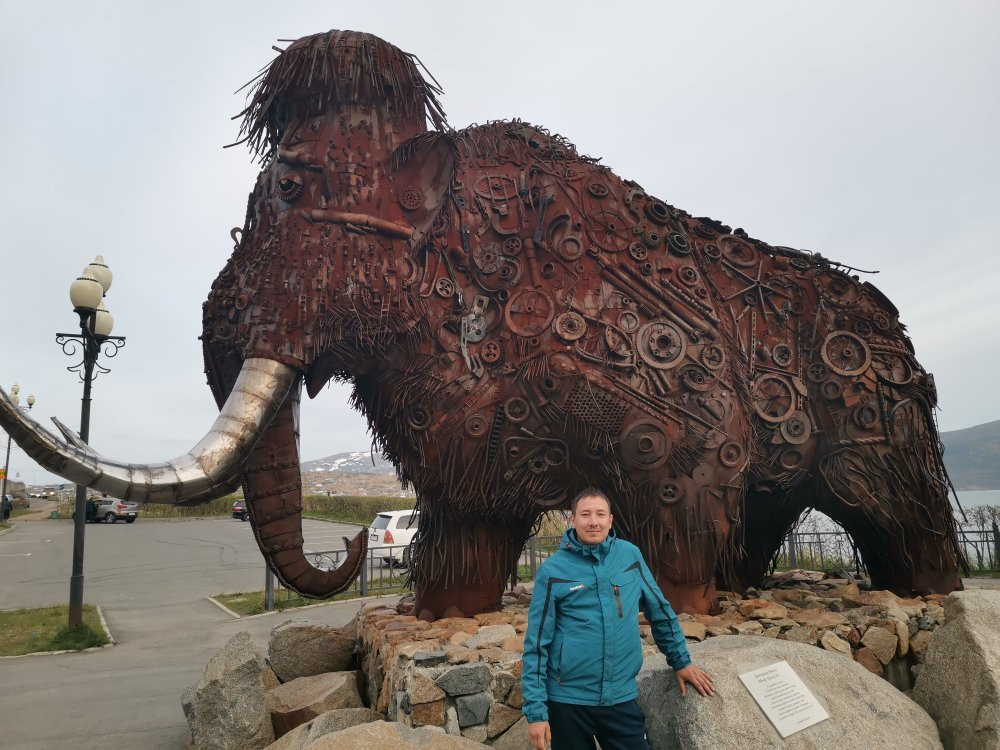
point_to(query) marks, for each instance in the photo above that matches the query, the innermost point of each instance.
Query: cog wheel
(731, 454)
(677, 244)
(712, 252)
(863, 328)
(609, 231)
(738, 252)
(644, 445)
(670, 491)
(597, 189)
(570, 248)
(781, 354)
(516, 409)
(652, 239)
(713, 356)
(797, 428)
(529, 312)
(845, 353)
(491, 352)
(865, 416)
(661, 344)
(881, 321)
(637, 251)
(487, 258)
(697, 378)
(773, 398)
(892, 368)
(618, 343)
(290, 188)
(570, 326)
(512, 245)
(444, 287)
(628, 321)
(657, 211)
(688, 275)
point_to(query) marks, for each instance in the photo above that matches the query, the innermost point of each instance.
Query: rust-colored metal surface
(518, 323)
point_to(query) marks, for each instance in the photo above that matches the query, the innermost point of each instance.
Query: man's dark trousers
(618, 727)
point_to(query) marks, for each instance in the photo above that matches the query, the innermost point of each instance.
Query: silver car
(110, 509)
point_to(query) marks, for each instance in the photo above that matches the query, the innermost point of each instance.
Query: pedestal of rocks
(959, 683)
(865, 711)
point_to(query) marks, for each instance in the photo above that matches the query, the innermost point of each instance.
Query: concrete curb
(8, 530)
(223, 607)
(360, 599)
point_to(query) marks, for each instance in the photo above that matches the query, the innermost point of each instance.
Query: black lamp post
(14, 391)
(86, 294)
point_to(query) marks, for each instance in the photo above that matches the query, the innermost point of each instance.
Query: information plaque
(784, 698)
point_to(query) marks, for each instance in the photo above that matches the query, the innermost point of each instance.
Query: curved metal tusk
(210, 469)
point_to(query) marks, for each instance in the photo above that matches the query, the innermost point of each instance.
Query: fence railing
(386, 568)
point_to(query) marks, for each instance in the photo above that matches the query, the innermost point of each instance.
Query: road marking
(23, 554)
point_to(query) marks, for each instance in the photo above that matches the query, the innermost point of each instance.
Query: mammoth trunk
(273, 485)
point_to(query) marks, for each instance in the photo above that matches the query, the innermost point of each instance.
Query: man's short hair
(589, 492)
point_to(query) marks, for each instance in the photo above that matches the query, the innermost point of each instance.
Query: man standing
(582, 648)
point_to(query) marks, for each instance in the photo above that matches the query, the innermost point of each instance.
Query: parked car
(110, 509)
(240, 510)
(391, 534)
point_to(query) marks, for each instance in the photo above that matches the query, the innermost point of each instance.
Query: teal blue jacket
(582, 645)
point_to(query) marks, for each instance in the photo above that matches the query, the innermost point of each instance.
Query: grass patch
(22, 512)
(25, 631)
(246, 603)
(351, 509)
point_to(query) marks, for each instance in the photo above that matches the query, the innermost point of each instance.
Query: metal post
(996, 546)
(268, 589)
(532, 564)
(364, 572)
(793, 559)
(90, 350)
(6, 468)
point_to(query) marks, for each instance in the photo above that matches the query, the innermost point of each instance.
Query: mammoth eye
(290, 187)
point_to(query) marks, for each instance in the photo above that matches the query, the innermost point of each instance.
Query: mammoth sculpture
(519, 323)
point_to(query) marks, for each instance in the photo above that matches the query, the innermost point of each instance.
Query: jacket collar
(597, 551)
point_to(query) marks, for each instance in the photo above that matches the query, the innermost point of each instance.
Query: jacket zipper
(618, 601)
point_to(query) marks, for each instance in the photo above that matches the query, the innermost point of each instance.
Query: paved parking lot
(151, 579)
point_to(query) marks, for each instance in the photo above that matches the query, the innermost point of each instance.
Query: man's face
(592, 519)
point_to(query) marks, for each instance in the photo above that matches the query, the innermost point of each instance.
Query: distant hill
(972, 456)
(358, 462)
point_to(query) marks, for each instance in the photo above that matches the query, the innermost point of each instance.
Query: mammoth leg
(462, 565)
(687, 538)
(898, 514)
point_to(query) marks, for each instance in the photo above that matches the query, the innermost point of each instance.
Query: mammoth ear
(422, 170)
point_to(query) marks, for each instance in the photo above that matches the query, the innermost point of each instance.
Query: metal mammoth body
(519, 323)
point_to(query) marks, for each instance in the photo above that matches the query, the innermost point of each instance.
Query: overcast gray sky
(866, 131)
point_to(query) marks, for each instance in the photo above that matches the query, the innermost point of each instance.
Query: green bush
(350, 509)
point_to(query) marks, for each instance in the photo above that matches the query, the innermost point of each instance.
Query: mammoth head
(318, 285)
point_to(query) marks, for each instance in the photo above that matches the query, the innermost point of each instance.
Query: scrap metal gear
(846, 353)
(773, 398)
(645, 445)
(796, 429)
(570, 326)
(529, 312)
(661, 344)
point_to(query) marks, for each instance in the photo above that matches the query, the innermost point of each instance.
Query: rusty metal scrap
(518, 323)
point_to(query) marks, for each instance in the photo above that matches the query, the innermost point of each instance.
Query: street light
(87, 295)
(14, 391)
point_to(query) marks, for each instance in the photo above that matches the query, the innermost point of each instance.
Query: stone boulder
(959, 683)
(300, 648)
(227, 710)
(305, 698)
(865, 711)
(325, 723)
(384, 735)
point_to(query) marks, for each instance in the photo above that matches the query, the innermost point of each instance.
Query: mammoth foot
(453, 601)
(695, 599)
